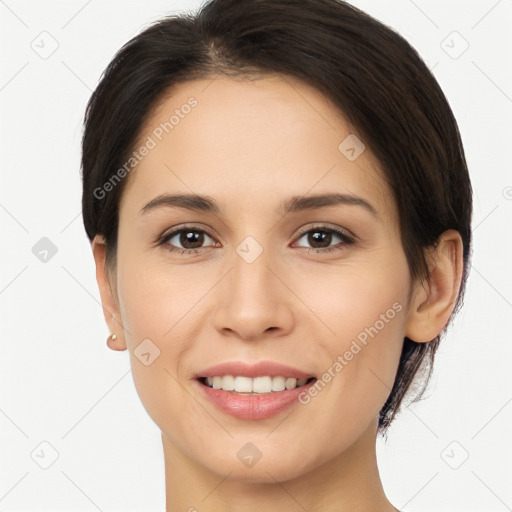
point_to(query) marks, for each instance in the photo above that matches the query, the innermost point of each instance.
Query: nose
(252, 301)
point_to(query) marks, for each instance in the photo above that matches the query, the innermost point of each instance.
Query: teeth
(258, 385)
(278, 384)
(261, 385)
(291, 383)
(242, 384)
(228, 383)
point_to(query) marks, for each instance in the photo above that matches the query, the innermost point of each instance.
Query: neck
(349, 481)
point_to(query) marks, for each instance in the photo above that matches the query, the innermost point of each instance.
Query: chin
(271, 467)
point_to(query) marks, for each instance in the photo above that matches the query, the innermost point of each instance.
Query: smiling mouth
(254, 386)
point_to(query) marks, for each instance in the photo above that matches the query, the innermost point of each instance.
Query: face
(251, 279)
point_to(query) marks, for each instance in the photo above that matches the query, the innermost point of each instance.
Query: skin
(251, 144)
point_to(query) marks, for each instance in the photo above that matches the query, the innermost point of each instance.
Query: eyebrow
(200, 203)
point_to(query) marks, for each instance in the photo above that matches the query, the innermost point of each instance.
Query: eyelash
(346, 239)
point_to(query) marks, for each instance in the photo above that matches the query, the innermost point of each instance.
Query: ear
(434, 299)
(108, 295)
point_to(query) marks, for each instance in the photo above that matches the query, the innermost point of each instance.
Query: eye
(185, 240)
(189, 240)
(321, 237)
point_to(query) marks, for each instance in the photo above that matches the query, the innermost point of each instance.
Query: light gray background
(61, 386)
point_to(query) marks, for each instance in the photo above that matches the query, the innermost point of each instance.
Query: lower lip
(253, 407)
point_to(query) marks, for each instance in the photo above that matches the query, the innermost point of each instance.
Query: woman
(279, 208)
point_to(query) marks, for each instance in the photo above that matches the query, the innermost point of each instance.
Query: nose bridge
(250, 272)
(254, 300)
(250, 280)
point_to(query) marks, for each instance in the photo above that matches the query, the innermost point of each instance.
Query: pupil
(191, 237)
(320, 236)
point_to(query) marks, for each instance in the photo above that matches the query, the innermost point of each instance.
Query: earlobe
(113, 343)
(108, 300)
(435, 298)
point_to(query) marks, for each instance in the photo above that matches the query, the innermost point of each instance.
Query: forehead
(235, 139)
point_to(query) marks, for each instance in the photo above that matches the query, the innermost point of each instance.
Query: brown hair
(371, 73)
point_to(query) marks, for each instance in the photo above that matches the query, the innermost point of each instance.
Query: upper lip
(260, 369)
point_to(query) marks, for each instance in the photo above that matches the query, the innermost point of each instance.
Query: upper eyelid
(174, 232)
(301, 230)
(326, 227)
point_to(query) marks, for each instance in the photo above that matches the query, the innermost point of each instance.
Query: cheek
(361, 364)
(158, 300)
(355, 300)
(365, 314)
(159, 312)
